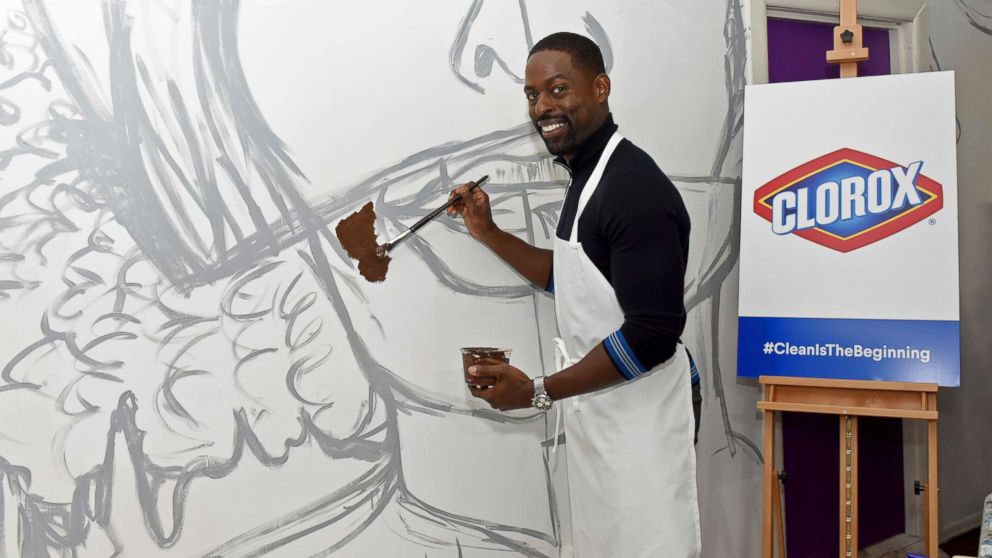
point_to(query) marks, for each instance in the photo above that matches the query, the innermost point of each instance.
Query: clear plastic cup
(474, 355)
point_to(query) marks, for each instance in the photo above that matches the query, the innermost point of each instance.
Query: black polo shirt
(635, 229)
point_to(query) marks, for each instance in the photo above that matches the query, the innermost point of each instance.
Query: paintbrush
(385, 248)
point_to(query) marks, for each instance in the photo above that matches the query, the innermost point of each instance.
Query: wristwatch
(541, 400)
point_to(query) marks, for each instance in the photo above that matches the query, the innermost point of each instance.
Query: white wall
(193, 365)
(961, 35)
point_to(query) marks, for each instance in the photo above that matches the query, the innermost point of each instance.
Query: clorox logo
(848, 199)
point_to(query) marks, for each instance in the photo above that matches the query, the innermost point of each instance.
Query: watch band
(539, 386)
(541, 401)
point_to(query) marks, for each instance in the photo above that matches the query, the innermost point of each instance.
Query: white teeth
(551, 127)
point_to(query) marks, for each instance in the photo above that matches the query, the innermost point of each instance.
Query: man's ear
(601, 84)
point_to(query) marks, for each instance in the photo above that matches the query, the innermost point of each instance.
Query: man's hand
(503, 386)
(474, 209)
(530, 261)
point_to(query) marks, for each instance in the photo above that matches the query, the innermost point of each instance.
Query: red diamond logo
(848, 199)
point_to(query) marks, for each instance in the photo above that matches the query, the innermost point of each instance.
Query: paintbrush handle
(430, 216)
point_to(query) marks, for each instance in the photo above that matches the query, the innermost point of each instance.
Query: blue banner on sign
(887, 350)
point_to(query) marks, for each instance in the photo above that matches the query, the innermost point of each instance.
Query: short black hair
(584, 52)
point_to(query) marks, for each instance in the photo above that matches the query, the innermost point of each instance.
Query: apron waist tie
(561, 360)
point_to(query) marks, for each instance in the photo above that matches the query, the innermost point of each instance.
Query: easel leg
(766, 532)
(849, 16)
(848, 486)
(779, 522)
(926, 519)
(933, 514)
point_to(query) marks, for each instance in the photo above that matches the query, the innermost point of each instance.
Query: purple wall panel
(797, 51)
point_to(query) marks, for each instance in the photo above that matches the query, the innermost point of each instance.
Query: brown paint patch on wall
(357, 235)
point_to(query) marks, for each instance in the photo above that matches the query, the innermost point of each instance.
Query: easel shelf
(849, 397)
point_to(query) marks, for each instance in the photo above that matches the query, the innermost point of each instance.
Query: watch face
(542, 402)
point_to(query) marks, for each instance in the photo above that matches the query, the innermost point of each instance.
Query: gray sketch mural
(978, 13)
(192, 367)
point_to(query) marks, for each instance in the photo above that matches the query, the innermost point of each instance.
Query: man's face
(567, 102)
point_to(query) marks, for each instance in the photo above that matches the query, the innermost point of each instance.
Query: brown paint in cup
(475, 355)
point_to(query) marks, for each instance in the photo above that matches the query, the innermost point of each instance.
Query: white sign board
(849, 251)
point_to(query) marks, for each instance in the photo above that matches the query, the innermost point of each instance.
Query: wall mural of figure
(191, 365)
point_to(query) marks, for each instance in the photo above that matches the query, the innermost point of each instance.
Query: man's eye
(531, 96)
(558, 89)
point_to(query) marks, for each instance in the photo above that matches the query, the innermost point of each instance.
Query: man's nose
(545, 104)
(486, 48)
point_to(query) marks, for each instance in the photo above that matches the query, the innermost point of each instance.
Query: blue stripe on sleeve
(617, 361)
(623, 356)
(551, 283)
(693, 371)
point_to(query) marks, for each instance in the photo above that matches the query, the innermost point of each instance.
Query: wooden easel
(848, 41)
(849, 399)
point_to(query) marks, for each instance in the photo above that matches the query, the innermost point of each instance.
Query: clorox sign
(848, 199)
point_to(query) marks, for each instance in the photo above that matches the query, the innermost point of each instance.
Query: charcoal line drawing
(181, 260)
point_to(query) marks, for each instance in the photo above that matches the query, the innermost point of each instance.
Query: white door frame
(910, 47)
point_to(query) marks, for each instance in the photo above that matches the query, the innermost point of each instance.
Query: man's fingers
(468, 194)
(456, 208)
(477, 197)
(495, 369)
(482, 378)
(459, 207)
(485, 381)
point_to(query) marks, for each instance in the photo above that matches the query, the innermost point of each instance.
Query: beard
(562, 144)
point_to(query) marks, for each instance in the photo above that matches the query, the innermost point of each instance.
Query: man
(617, 272)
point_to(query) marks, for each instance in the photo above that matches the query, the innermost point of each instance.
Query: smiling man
(617, 273)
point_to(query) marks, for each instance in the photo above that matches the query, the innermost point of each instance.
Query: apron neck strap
(592, 183)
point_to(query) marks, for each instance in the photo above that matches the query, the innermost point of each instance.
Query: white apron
(631, 463)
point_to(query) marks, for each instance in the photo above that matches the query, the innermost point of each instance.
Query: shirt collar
(589, 151)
